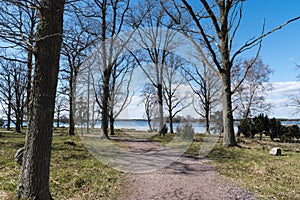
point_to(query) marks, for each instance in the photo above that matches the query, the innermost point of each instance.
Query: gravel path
(186, 178)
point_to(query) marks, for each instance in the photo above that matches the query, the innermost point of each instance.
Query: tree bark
(34, 177)
(207, 118)
(105, 98)
(160, 108)
(228, 123)
(9, 103)
(72, 99)
(29, 76)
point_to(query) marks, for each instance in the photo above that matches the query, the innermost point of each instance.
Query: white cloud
(281, 99)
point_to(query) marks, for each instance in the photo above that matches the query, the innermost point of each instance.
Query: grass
(250, 166)
(75, 173)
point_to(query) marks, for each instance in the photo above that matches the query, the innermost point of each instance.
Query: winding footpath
(185, 178)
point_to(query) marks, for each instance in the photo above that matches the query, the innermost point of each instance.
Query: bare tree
(13, 92)
(150, 102)
(6, 84)
(106, 20)
(217, 23)
(60, 106)
(34, 177)
(249, 99)
(206, 87)
(18, 22)
(120, 95)
(176, 98)
(74, 51)
(156, 44)
(19, 91)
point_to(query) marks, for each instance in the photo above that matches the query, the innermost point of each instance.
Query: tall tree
(150, 101)
(19, 91)
(156, 44)
(217, 23)
(18, 21)
(13, 92)
(106, 20)
(6, 85)
(120, 95)
(206, 87)
(176, 99)
(75, 46)
(34, 177)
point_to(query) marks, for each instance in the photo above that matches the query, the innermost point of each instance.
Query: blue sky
(280, 50)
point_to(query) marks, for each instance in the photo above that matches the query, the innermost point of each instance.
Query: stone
(276, 151)
(19, 155)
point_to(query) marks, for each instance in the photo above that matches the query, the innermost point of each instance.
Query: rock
(19, 155)
(276, 151)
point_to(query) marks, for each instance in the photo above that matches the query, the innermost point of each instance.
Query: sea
(142, 125)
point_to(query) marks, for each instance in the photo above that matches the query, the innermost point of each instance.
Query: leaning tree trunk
(228, 132)
(34, 177)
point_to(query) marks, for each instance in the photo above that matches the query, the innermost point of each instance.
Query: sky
(280, 50)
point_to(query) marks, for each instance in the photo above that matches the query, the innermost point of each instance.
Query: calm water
(141, 125)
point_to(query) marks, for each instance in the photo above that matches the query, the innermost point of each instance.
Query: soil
(186, 178)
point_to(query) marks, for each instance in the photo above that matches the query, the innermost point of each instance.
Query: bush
(245, 128)
(185, 131)
(275, 128)
(261, 124)
(289, 133)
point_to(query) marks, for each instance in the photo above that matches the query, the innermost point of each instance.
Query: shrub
(261, 124)
(275, 128)
(185, 131)
(245, 128)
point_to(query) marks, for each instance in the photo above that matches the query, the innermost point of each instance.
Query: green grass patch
(251, 167)
(75, 173)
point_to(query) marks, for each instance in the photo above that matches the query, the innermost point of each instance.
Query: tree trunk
(57, 120)
(160, 109)
(17, 110)
(18, 123)
(34, 177)
(171, 125)
(8, 115)
(228, 132)
(72, 103)
(149, 124)
(112, 127)
(105, 97)
(207, 118)
(29, 76)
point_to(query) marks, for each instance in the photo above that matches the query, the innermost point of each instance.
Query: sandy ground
(185, 178)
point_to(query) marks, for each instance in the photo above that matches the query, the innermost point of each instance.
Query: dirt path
(186, 178)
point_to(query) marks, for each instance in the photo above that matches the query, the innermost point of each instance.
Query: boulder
(276, 151)
(19, 155)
